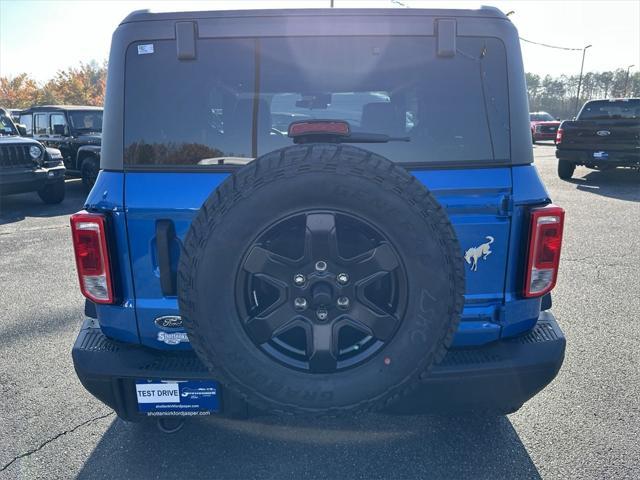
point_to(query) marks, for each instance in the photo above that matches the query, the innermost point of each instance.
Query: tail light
(319, 127)
(545, 242)
(92, 259)
(559, 135)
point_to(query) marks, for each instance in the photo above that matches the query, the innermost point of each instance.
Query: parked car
(604, 135)
(543, 126)
(27, 166)
(396, 254)
(75, 130)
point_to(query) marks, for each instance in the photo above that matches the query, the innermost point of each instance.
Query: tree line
(82, 85)
(558, 95)
(85, 85)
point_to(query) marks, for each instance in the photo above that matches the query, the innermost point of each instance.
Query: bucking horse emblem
(474, 254)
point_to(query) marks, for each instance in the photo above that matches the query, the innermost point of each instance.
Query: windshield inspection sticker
(177, 397)
(145, 49)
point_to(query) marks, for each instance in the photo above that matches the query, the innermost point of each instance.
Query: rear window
(614, 109)
(41, 124)
(27, 121)
(86, 121)
(237, 99)
(541, 117)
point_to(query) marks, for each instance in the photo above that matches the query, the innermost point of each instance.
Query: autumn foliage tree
(83, 85)
(18, 92)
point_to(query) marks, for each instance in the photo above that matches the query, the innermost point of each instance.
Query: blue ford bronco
(317, 212)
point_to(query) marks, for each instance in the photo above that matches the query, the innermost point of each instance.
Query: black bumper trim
(619, 158)
(14, 181)
(498, 377)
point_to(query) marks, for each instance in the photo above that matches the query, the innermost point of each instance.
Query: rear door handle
(165, 236)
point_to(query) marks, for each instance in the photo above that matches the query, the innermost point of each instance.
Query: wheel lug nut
(300, 303)
(343, 302)
(342, 278)
(321, 266)
(299, 279)
(322, 314)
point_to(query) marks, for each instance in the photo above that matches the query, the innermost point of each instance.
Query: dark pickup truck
(604, 135)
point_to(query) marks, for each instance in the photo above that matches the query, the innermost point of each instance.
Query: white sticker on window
(145, 49)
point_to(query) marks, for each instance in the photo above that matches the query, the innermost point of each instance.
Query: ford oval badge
(603, 133)
(169, 321)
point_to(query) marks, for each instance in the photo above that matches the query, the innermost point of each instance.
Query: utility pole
(584, 50)
(626, 80)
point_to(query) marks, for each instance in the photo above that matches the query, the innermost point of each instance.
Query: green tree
(533, 89)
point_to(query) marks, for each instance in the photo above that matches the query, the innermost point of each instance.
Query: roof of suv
(147, 15)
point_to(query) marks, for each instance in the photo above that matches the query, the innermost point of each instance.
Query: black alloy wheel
(321, 291)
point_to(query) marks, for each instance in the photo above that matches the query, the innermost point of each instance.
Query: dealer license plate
(177, 397)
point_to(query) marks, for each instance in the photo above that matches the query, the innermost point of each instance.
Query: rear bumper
(17, 180)
(498, 377)
(618, 158)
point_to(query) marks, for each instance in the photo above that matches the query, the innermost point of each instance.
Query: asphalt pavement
(586, 424)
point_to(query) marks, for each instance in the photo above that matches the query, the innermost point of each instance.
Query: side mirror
(59, 129)
(558, 118)
(22, 129)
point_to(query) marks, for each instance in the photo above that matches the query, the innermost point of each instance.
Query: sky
(41, 37)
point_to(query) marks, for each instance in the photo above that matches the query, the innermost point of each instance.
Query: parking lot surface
(586, 424)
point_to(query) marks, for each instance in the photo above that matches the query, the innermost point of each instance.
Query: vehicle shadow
(57, 320)
(369, 446)
(15, 208)
(620, 183)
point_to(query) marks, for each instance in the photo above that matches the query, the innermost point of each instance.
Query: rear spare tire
(320, 279)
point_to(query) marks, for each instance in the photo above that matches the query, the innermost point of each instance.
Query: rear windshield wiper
(361, 137)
